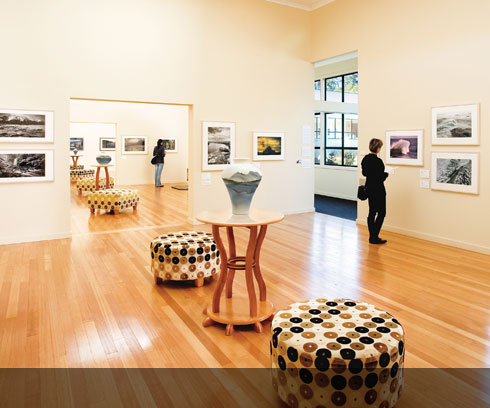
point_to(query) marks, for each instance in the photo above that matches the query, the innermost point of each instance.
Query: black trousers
(377, 213)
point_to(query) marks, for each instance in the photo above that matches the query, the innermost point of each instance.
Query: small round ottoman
(337, 353)
(183, 256)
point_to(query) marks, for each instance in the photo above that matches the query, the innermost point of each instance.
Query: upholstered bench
(183, 256)
(337, 353)
(77, 167)
(114, 200)
(88, 184)
(81, 174)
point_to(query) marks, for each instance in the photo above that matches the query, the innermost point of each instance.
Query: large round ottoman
(337, 353)
(184, 256)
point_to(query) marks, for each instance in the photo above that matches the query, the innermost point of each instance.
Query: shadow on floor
(336, 206)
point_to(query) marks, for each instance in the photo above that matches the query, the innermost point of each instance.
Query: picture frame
(134, 145)
(26, 166)
(107, 144)
(170, 145)
(268, 146)
(405, 147)
(26, 126)
(76, 142)
(456, 125)
(455, 172)
(218, 145)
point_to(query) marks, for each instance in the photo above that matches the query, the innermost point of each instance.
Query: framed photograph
(107, 144)
(268, 146)
(170, 145)
(26, 166)
(134, 145)
(405, 147)
(457, 172)
(23, 126)
(218, 145)
(76, 143)
(455, 125)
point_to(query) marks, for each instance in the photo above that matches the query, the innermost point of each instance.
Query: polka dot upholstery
(185, 255)
(337, 353)
(80, 174)
(77, 167)
(88, 184)
(114, 199)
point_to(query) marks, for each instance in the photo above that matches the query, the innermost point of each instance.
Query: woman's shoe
(378, 241)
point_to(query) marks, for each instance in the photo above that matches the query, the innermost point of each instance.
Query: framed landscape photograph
(134, 145)
(170, 145)
(76, 143)
(455, 125)
(457, 172)
(23, 126)
(107, 144)
(26, 166)
(218, 145)
(268, 146)
(405, 147)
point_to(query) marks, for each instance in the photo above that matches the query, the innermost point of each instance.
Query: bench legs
(199, 282)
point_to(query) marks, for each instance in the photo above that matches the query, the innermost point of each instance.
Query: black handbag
(154, 160)
(362, 193)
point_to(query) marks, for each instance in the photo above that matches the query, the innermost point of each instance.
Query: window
(318, 139)
(317, 90)
(341, 139)
(342, 88)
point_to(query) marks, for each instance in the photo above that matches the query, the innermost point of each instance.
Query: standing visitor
(157, 161)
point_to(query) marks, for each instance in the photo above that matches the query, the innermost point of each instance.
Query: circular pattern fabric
(185, 255)
(81, 174)
(337, 353)
(113, 199)
(88, 184)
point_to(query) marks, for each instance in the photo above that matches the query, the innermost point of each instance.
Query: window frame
(342, 148)
(319, 132)
(343, 86)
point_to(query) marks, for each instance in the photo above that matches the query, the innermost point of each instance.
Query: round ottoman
(183, 256)
(337, 353)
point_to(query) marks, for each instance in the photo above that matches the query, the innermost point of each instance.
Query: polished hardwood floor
(91, 301)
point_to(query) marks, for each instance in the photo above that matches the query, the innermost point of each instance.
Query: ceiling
(303, 4)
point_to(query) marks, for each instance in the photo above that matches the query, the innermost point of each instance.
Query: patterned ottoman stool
(337, 353)
(88, 184)
(114, 200)
(77, 167)
(185, 255)
(81, 174)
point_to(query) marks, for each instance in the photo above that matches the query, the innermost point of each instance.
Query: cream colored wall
(155, 121)
(245, 61)
(413, 55)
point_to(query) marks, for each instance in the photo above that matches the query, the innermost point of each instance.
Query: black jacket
(159, 152)
(373, 169)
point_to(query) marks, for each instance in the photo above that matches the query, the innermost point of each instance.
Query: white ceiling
(303, 4)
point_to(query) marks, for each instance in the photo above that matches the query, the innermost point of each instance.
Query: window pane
(318, 155)
(350, 126)
(334, 130)
(334, 89)
(334, 156)
(317, 90)
(351, 88)
(350, 157)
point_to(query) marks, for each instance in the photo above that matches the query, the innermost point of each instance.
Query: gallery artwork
(19, 126)
(456, 172)
(26, 166)
(135, 145)
(76, 143)
(107, 144)
(218, 145)
(268, 146)
(455, 125)
(170, 145)
(405, 147)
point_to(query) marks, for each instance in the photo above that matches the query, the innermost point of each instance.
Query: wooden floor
(90, 301)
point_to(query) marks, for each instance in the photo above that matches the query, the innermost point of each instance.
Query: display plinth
(97, 175)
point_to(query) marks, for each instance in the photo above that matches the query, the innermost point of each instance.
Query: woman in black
(373, 169)
(159, 154)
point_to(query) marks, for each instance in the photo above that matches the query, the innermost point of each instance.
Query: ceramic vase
(241, 180)
(75, 152)
(103, 159)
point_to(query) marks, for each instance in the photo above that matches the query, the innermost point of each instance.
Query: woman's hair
(375, 144)
(160, 142)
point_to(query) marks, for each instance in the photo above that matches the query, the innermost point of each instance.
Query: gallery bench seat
(113, 200)
(88, 184)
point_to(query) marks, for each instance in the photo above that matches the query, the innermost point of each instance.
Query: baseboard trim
(335, 195)
(33, 238)
(434, 238)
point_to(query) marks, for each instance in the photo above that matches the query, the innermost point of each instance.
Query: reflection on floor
(336, 206)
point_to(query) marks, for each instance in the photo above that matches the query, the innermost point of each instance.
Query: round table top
(102, 165)
(76, 155)
(224, 218)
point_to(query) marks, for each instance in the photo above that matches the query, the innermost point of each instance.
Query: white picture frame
(134, 145)
(12, 130)
(272, 142)
(456, 125)
(405, 147)
(447, 176)
(171, 143)
(78, 143)
(218, 145)
(9, 163)
(107, 139)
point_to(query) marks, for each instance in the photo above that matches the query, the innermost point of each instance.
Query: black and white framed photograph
(134, 145)
(218, 145)
(26, 166)
(457, 172)
(455, 125)
(107, 144)
(268, 146)
(405, 147)
(170, 145)
(23, 126)
(76, 143)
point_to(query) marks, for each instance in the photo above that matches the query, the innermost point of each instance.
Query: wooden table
(239, 310)
(97, 174)
(74, 158)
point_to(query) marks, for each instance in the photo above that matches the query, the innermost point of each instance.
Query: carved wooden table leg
(224, 269)
(231, 272)
(257, 272)
(107, 183)
(97, 179)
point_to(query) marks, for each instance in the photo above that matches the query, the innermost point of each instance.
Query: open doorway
(127, 133)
